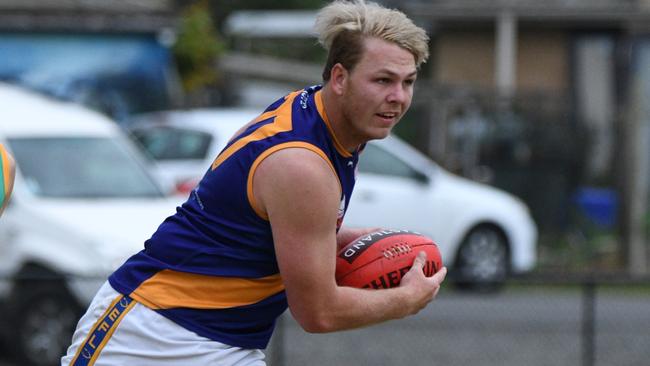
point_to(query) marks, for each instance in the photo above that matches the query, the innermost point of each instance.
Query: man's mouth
(388, 115)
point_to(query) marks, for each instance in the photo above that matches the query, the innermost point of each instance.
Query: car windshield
(81, 167)
(376, 160)
(168, 143)
(118, 74)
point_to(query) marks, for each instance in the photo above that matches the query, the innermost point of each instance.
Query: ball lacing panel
(397, 250)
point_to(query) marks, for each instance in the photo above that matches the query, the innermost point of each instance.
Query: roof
(547, 10)
(26, 113)
(82, 15)
(79, 5)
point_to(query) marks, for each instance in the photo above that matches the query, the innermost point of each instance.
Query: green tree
(197, 47)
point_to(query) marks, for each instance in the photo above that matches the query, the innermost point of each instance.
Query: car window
(83, 67)
(81, 168)
(167, 143)
(376, 160)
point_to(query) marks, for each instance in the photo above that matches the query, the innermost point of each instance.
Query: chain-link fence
(541, 320)
(529, 323)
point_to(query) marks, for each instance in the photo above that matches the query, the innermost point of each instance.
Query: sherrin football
(381, 258)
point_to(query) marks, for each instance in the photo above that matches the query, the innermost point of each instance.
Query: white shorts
(117, 330)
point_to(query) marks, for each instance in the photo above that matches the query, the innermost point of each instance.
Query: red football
(381, 258)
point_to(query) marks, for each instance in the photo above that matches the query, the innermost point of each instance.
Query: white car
(483, 233)
(83, 202)
(182, 144)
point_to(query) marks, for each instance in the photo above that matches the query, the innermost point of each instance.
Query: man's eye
(409, 81)
(383, 80)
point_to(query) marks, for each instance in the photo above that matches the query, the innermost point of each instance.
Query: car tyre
(482, 261)
(45, 317)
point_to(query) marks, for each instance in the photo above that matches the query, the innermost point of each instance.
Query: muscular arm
(300, 194)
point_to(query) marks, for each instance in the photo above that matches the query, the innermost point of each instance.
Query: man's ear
(339, 78)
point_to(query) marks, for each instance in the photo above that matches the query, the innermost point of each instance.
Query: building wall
(542, 61)
(466, 57)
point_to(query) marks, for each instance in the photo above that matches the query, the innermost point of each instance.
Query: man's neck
(333, 110)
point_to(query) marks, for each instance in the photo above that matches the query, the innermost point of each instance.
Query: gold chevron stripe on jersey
(282, 123)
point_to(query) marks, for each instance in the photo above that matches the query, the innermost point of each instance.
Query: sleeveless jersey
(211, 267)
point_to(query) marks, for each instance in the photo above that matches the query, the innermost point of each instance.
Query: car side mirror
(420, 177)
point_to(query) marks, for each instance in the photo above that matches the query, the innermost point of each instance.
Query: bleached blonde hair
(343, 25)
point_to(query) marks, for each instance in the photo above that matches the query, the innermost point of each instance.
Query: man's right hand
(423, 289)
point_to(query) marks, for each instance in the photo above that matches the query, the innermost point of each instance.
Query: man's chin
(381, 133)
(376, 134)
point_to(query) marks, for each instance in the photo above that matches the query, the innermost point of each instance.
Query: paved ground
(514, 328)
(538, 326)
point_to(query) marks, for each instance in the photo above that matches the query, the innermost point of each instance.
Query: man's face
(378, 90)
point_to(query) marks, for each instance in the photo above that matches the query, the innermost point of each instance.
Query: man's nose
(400, 93)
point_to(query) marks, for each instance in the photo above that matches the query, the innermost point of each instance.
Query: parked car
(483, 233)
(83, 67)
(182, 144)
(83, 202)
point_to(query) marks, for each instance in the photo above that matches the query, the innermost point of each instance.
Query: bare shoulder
(298, 166)
(296, 184)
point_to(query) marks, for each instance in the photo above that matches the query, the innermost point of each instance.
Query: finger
(439, 276)
(419, 261)
(435, 292)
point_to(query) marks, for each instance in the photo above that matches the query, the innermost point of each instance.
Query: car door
(391, 193)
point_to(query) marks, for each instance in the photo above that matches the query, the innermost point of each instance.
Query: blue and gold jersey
(211, 267)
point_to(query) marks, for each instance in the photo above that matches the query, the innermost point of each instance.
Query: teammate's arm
(7, 175)
(300, 194)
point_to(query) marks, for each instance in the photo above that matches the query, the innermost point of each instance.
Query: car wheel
(45, 318)
(482, 261)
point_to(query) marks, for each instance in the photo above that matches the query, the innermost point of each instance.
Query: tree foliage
(197, 47)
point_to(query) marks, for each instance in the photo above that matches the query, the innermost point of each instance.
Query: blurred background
(547, 101)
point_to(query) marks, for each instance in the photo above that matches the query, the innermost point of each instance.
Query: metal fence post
(588, 322)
